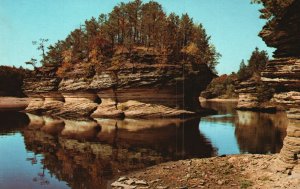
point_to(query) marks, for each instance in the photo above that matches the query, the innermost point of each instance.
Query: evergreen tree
(133, 25)
(256, 64)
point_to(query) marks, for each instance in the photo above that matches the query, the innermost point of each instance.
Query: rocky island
(116, 105)
(108, 70)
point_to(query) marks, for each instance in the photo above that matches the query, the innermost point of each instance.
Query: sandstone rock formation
(247, 95)
(283, 75)
(138, 89)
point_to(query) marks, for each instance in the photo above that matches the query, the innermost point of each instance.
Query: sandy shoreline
(234, 171)
(13, 103)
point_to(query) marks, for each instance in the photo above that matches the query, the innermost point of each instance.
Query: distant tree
(32, 62)
(256, 64)
(222, 86)
(258, 60)
(54, 54)
(243, 72)
(41, 45)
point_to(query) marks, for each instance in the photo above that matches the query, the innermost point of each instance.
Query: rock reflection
(260, 132)
(255, 132)
(80, 130)
(87, 154)
(53, 126)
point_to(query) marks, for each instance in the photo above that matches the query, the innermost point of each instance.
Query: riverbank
(13, 103)
(234, 171)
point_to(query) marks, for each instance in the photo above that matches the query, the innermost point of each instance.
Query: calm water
(45, 152)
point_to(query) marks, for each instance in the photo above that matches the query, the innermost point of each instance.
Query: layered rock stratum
(283, 75)
(138, 89)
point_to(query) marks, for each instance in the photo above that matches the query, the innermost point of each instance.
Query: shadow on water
(57, 153)
(11, 122)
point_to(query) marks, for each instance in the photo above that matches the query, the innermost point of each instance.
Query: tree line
(255, 65)
(225, 85)
(128, 26)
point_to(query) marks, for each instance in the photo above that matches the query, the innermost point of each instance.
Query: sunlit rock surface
(35, 105)
(78, 105)
(107, 109)
(249, 97)
(135, 109)
(158, 88)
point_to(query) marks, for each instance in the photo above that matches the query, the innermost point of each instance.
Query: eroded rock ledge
(137, 90)
(283, 75)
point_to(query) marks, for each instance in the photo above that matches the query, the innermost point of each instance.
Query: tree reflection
(41, 177)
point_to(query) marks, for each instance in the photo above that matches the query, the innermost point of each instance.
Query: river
(46, 152)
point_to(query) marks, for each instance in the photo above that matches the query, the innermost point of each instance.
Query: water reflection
(58, 153)
(234, 131)
(87, 154)
(260, 132)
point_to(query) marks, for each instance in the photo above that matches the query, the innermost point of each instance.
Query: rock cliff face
(137, 89)
(283, 74)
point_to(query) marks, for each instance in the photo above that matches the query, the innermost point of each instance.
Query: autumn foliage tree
(129, 26)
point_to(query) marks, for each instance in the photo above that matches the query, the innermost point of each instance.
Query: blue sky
(232, 24)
